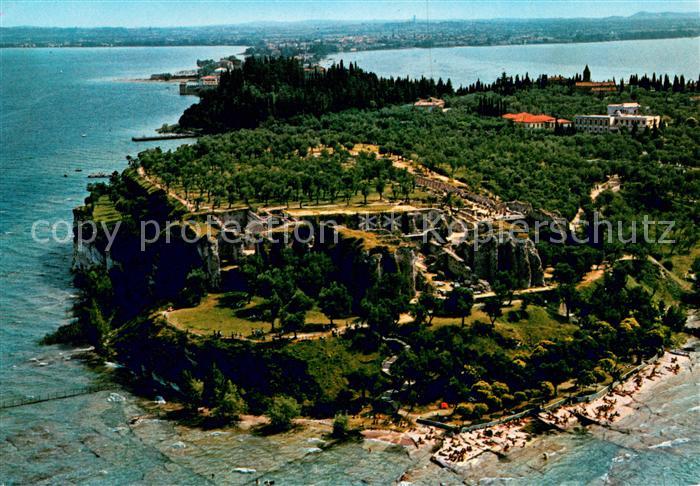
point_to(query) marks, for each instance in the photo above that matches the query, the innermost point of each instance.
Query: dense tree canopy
(279, 87)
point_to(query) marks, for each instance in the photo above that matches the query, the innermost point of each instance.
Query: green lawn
(538, 326)
(214, 313)
(682, 263)
(211, 315)
(476, 315)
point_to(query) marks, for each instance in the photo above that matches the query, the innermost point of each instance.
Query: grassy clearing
(476, 315)
(682, 263)
(538, 326)
(214, 314)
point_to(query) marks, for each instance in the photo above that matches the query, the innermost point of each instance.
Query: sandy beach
(620, 402)
(463, 453)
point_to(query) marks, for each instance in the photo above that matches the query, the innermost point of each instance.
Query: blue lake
(464, 65)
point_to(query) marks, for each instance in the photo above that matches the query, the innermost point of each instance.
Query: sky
(158, 13)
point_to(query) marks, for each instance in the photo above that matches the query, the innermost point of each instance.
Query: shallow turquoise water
(49, 98)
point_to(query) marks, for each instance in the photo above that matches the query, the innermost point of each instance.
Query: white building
(641, 121)
(593, 123)
(622, 115)
(623, 108)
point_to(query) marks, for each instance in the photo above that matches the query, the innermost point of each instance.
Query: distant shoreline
(382, 48)
(532, 44)
(148, 80)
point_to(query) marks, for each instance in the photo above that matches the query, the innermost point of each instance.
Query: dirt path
(613, 183)
(665, 271)
(142, 173)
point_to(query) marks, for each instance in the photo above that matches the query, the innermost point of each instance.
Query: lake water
(49, 99)
(464, 65)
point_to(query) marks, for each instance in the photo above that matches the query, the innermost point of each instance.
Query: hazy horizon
(157, 14)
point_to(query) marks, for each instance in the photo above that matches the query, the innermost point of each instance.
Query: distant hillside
(322, 37)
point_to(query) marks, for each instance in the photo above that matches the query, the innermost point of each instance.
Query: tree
(585, 378)
(293, 322)
(494, 309)
(365, 190)
(463, 300)
(379, 186)
(570, 296)
(429, 304)
(195, 288)
(294, 312)
(564, 273)
(548, 389)
(230, 403)
(193, 390)
(364, 379)
(214, 387)
(250, 270)
(334, 301)
(696, 280)
(273, 307)
(586, 73)
(282, 411)
(480, 409)
(341, 426)
(380, 317)
(505, 286)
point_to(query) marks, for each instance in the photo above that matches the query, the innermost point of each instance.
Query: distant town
(314, 41)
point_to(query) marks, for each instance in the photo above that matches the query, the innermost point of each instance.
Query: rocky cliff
(473, 263)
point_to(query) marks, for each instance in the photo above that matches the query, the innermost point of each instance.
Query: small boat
(98, 175)
(244, 470)
(84, 135)
(78, 170)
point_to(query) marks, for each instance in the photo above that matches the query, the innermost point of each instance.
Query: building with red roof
(528, 120)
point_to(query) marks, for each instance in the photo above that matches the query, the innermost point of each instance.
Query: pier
(73, 392)
(168, 136)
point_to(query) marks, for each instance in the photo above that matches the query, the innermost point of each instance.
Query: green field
(215, 314)
(538, 326)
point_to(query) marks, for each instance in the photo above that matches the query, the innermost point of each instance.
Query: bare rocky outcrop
(483, 260)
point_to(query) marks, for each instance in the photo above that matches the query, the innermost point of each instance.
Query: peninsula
(396, 251)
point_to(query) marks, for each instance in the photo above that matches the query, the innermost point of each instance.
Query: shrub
(547, 388)
(493, 402)
(480, 409)
(282, 411)
(499, 388)
(341, 426)
(193, 390)
(195, 288)
(481, 389)
(231, 404)
(465, 410)
(599, 374)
